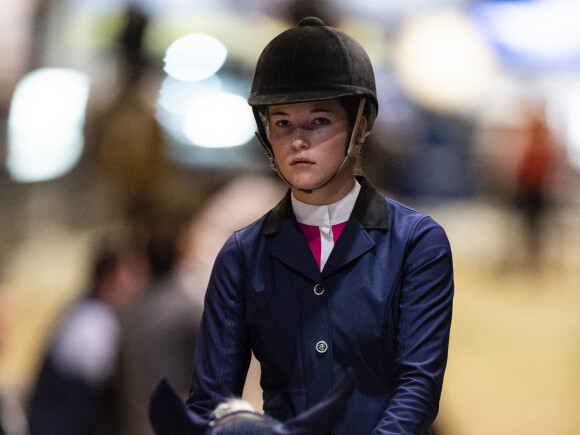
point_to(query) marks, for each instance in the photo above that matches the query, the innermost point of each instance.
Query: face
(309, 141)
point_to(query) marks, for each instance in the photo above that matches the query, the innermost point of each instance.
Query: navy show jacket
(382, 306)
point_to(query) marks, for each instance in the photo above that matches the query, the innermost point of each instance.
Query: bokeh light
(45, 127)
(442, 61)
(219, 120)
(194, 57)
(193, 107)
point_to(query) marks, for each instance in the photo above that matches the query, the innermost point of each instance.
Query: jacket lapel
(290, 247)
(289, 244)
(353, 242)
(369, 213)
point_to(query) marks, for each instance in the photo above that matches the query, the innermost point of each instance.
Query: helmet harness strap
(352, 151)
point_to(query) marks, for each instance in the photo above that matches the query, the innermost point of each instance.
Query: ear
(361, 130)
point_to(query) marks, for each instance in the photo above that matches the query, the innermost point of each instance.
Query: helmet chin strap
(351, 152)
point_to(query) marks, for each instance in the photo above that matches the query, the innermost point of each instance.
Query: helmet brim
(258, 102)
(307, 95)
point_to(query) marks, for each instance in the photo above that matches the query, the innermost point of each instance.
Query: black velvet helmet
(312, 62)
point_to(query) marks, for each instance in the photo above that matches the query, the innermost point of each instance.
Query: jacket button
(321, 346)
(318, 290)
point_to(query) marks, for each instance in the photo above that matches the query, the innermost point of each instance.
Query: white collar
(326, 215)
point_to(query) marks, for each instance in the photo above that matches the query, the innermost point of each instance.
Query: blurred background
(117, 116)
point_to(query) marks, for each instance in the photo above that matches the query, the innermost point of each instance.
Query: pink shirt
(322, 224)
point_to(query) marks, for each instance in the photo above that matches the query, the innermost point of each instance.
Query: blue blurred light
(534, 33)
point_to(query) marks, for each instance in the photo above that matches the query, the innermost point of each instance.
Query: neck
(329, 194)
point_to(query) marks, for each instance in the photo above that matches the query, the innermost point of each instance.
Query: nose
(299, 140)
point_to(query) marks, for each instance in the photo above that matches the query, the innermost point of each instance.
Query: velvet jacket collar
(370, 210)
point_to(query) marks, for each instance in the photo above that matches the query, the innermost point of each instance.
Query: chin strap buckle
(268, 152)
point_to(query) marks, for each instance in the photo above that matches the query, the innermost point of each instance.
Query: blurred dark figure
(72, 393)
(130, 41)
(3, 335)
(12, 417)
(125, 139)
(130, 154)
(298, 9)
(158, 332)
(534, 171)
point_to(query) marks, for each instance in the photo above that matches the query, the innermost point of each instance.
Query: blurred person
(73, 390)
(158, 331)
(535, 169)
(130, 41)
(125, 141)
(336, 276)
(129, 155)
(12, 416)
(298, 9)
(3, 335)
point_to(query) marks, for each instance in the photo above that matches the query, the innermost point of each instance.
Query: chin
(307, 185)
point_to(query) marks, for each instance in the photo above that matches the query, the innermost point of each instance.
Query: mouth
(301, 162)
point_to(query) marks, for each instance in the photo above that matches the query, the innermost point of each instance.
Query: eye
(321, 121)
(282, 123)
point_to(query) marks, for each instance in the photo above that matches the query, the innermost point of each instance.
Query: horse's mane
(231, 406)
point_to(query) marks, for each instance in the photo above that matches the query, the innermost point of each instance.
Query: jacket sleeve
(424, 321)
(222, 354)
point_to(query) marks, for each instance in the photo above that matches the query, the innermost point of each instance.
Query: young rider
(336, 277)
